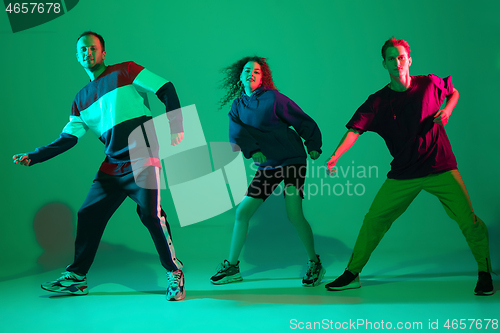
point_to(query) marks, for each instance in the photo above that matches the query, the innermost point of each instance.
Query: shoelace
(223, 266)
(174, 278)
(69, 276)
(312, 267)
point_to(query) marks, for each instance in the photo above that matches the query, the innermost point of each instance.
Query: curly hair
(395, 42)
(231, 81)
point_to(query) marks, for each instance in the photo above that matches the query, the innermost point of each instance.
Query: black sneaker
(484, 286)
(69, 282)
(314, 273)
(227, 273)
(347, 280)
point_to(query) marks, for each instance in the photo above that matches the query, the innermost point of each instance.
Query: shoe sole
(227, 280)
(341, 288)
(318, 281)
(355, 284)
(68, 292)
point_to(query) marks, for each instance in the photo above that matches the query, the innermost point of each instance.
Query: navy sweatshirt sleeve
(168, 96)
(59, 146)
(239, 137)
(305, 126)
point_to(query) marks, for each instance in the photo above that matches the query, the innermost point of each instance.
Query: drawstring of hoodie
(247, 100)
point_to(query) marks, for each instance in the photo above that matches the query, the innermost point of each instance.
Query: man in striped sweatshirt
(112, 106)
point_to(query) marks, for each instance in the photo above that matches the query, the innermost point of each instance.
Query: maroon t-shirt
(405, 121)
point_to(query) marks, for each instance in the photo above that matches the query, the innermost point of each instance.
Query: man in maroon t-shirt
(405, 113)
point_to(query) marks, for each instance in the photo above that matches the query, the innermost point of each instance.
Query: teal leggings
(395, 196)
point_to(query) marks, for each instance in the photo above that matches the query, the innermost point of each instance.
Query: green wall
(325, 55)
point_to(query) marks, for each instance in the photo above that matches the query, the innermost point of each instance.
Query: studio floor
(130, 297)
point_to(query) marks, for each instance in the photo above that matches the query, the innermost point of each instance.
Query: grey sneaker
(70, 283)
(227, 273)
(314, 273)
(347, 280)
(175, 288)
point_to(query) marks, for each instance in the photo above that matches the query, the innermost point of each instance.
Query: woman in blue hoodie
(259, 126)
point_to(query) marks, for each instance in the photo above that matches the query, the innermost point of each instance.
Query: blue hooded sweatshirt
(261, 122)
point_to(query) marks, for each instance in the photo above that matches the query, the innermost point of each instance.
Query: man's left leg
(450, 190)
(145, 191)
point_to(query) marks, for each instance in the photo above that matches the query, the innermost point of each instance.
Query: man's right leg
(391, 201)
(102, 201)
(104, 197)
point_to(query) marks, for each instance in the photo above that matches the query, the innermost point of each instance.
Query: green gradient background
(324, 55)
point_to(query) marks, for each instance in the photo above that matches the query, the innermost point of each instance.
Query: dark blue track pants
(106, 194)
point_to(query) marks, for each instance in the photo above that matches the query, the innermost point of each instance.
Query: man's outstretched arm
(345, 144)
(41, 154)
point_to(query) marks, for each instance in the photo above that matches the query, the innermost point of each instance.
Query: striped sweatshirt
(112, 106)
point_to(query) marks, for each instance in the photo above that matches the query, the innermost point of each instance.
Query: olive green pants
(395, 196)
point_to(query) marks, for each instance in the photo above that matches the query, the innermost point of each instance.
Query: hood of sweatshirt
(253, 100)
